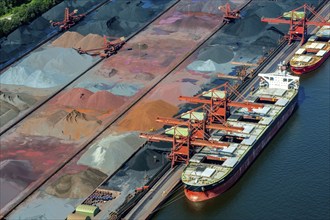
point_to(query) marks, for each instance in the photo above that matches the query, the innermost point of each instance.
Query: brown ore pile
(78, 185)
(71, 126)
(67, 40)
(143, 116)
(75, 40)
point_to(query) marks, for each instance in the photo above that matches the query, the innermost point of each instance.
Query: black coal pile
(216, 53)
(146, 160)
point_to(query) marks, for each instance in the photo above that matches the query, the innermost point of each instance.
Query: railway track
(118, 116)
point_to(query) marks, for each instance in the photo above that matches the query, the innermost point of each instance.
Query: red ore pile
(84, 99)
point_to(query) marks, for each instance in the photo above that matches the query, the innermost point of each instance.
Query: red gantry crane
(229, 15)
(109, 48)
(69, 20)
(298, 22)
(195, 132)
(219, 103)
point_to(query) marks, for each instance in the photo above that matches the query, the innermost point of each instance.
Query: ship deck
(202, 172)
(317, 47)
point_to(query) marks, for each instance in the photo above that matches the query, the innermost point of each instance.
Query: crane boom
(248, 105)
(284, 21)
(174, 121)
(298, 25)
(201, 143)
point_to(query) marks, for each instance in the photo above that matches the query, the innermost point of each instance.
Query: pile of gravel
(110, 152)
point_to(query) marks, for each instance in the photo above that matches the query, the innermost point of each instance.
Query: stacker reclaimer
(69, 20)
(109, 48)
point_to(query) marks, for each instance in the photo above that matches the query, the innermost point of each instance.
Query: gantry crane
(229, 15)
(69, 20)
(298, 22)
(195, 132)
(182, 144)
(198, 123)
(109, 48)
(219, 103)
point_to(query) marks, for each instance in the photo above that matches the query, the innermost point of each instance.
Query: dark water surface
(291, 177)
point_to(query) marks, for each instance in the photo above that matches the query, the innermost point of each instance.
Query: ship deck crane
(230, 14)
(69, 20)
(110, 48)
(298, 24)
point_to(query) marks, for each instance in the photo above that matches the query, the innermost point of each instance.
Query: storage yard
(73, 106)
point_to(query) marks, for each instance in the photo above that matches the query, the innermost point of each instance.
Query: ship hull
(306, 69)
(198, 194)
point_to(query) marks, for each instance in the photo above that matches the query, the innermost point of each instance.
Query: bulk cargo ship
(220, 139)
(313, 53)
(212, 171)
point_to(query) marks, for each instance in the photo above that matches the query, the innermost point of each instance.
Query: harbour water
(290, 179)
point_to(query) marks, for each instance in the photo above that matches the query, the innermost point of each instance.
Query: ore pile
(77, 185)
(143, 116)
(47, 68)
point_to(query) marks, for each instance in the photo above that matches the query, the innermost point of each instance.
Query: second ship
(313, 53)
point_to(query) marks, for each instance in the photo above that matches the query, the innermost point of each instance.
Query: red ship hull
(222, 187)
(306, 69)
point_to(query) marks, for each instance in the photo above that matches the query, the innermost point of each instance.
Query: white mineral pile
(47, 68)
(204, 66)
(109, 153)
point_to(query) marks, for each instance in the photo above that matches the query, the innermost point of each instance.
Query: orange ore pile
(143, 116)
(75, 40)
